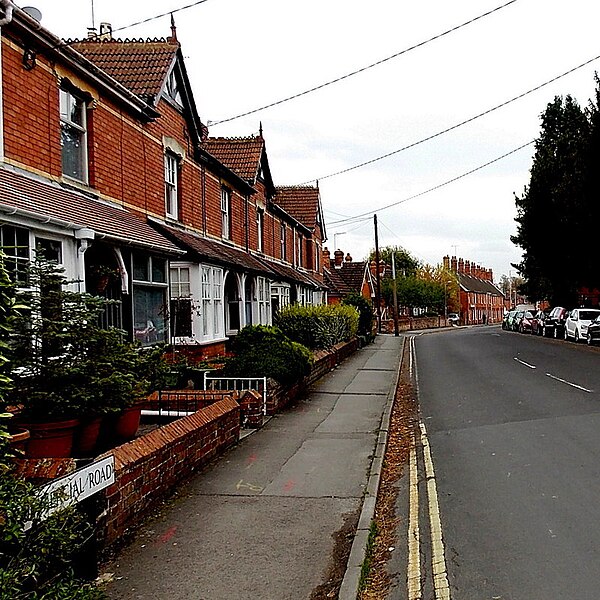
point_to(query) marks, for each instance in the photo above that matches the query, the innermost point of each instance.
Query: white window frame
(171, 185)
(260, 221)
(225, 213)
(212, 315)
(263, 299)
(283, 241)
(67, 101)
(180, 289)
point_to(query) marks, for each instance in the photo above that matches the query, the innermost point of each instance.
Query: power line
(362, 69)
(456, 126)
(356, 218)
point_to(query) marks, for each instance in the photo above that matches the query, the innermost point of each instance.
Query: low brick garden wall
(414, 323)
(279, 396)
(148, 468)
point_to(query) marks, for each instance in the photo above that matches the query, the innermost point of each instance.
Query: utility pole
(377, 276)
(396, 332)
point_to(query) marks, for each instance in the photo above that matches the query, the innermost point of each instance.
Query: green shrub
(317, 327)
(365, 312)
(261, 351)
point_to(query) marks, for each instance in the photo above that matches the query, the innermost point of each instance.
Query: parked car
(453, 318)
(555, 322)
(525, 324)
(578, 321)
(593, 332)
(514, 326)
(537, 324)
(508, 319)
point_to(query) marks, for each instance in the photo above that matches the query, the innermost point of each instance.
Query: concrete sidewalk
(260, 521)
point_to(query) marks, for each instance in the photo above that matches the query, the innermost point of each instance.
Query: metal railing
(240, 384)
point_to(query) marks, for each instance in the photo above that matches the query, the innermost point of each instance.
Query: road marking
(579, 387)
(438, 557)
(525, 363)
(414, 559)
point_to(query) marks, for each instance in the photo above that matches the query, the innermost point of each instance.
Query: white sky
(243, 54)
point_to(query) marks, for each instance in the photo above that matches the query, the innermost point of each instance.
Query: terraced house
(106, 166)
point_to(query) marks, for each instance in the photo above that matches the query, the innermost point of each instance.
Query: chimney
(105, 32)
(490, 275)
(92, 33)
(467, 270)
(453, 262)
(348, 258)
(326, 257)
(446, 263)
(461, 265)
(338, 259)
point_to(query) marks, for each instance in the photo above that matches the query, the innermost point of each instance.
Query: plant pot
(86, 436)
(127, 423)
(52, 439)
(18, 439)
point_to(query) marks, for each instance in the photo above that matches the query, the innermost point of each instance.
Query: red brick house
(343, 275)
(105, 164)
(481, 301)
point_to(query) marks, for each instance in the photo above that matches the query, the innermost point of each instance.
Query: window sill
(192, 341)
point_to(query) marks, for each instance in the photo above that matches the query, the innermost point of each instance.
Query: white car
(453, 318)
(578, 321)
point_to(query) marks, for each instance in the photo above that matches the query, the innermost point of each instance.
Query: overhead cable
(362, 69)
(361, 216)
(456, 126)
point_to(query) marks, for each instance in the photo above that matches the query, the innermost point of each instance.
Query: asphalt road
(513, 425)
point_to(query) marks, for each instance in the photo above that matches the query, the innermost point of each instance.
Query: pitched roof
(474, 284)
(140, 65)
(241, 155)
(337, 286)
(212, 250)
(301, 202)
(48, 201)
(348, 278)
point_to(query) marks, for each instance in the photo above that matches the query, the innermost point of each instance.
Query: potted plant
(67, 369)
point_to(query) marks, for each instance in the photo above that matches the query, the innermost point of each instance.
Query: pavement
(262, 520)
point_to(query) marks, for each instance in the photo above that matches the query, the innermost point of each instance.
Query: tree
(554, 206)
(406, 263)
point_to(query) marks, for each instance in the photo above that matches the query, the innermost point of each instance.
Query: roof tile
(241, 155)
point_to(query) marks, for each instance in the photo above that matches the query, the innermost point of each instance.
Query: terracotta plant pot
(18, 439)
(128, 422)
(86, 436)
(51, 440)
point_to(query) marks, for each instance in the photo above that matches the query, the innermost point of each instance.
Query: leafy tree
(406, 263)
(365, 312)
(554, 206)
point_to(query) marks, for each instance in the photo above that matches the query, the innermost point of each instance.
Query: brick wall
(412, 323)
(148, 468)
(279, 396)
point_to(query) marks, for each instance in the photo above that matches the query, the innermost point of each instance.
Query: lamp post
(446, 301)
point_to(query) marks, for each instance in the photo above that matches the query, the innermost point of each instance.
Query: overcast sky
(245, 54)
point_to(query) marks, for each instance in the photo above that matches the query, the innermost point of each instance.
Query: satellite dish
(33, 12)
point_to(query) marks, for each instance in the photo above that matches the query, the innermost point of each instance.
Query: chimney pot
(338, 259)
(348, 258)
(105, 32)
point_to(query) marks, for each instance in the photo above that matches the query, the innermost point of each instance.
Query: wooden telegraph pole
(377, 276)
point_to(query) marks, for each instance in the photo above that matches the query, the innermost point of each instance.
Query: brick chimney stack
(461, 265)
(338, 259)
(446, 263)
(467, 269)
(453, 263)
(326, 257)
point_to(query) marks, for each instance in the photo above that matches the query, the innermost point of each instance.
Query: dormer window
(172, 87)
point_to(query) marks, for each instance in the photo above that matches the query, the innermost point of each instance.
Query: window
(171, 192)
(212, 303)
(260, 217)
(226, 213)
(149, 299)
(283, 241)
(264, 300)
(181, 302)
(298, 251)
(73, 136)
(15, 245)
(172, 87)
(280, 297)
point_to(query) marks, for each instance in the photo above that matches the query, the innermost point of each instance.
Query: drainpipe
(8, 7)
